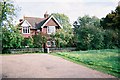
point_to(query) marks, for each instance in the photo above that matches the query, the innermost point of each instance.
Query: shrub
(111, 39)
(11, 37)
(39, 40)
(63, 38)
(89, 37)
(28, 42)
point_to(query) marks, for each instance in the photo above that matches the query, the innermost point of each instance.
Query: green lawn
(106, 60)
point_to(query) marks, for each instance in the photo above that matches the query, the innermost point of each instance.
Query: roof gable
(51, 17)
(25, 23)
(51, 22)
(36, 23)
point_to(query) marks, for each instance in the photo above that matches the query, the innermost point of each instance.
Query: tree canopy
(95, 33)
(11, 37)
(63, 37)
(63, 20)
(87, 20)
(112, 20)
(7, 12)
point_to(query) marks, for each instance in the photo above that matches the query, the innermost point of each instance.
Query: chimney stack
(46, 15)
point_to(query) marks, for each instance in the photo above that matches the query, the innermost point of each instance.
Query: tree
(88, 33)
(85, 21)
(7, 12)
(63, 20)
(27, 42)
(112, 20)
(111, 23)
(63, 39)
(110, 39)
(39, 40)
(11, 37)
(89, 37)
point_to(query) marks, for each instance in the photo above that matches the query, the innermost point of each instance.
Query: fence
(62, 49)
(35, 50)
(26, 50)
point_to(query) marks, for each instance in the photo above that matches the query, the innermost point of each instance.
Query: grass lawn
(106, 61)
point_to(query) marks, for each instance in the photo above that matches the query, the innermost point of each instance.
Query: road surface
(45, 66)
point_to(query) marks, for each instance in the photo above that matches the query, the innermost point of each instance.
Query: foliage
(63, 39)
(28, 42)
(88, 33)
(63, 20)
(89, 37)
(11, 37)
(103, 60)
(112, 20)
(7, 12)
(87, 20)
(111, 24)
(38, 40)
(110, 39)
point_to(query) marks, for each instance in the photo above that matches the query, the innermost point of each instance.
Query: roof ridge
(32, 17)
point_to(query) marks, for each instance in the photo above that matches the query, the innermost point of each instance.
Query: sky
(72, 8)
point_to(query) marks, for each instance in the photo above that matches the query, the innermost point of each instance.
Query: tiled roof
(35, 22)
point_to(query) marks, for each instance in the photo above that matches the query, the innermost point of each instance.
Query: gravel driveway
(45, 66)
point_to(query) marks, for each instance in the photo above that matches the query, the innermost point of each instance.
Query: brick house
(31, 26)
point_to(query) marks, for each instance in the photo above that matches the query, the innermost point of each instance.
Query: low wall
(26, 50)
(35, 50)
(62, 49)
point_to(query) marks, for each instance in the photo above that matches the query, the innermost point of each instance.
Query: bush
(111, 39)
(39, 40)
(28, 42)
(63, 38)
(11, 37)
(89, 37)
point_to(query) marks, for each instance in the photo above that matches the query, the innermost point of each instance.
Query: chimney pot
(46, 15)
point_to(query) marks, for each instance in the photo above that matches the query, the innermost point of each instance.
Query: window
(51, 29)
(48, 43)
(26, 30)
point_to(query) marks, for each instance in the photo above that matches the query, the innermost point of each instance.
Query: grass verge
(106, 61)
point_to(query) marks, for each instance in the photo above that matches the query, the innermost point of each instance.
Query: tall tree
(112, 20)
(11, 37)
(111, 23)
(63, 20)
(87, 20)
(88, 33)
(63, 37)
(7, 12)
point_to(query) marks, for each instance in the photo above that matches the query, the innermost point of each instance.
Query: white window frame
(28, 29)
(48, 29)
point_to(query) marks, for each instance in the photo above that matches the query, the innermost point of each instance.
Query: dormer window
(51, 29)
(26, 30)
(25, 27)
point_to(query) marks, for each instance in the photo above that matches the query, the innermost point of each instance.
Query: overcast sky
(72, 8)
